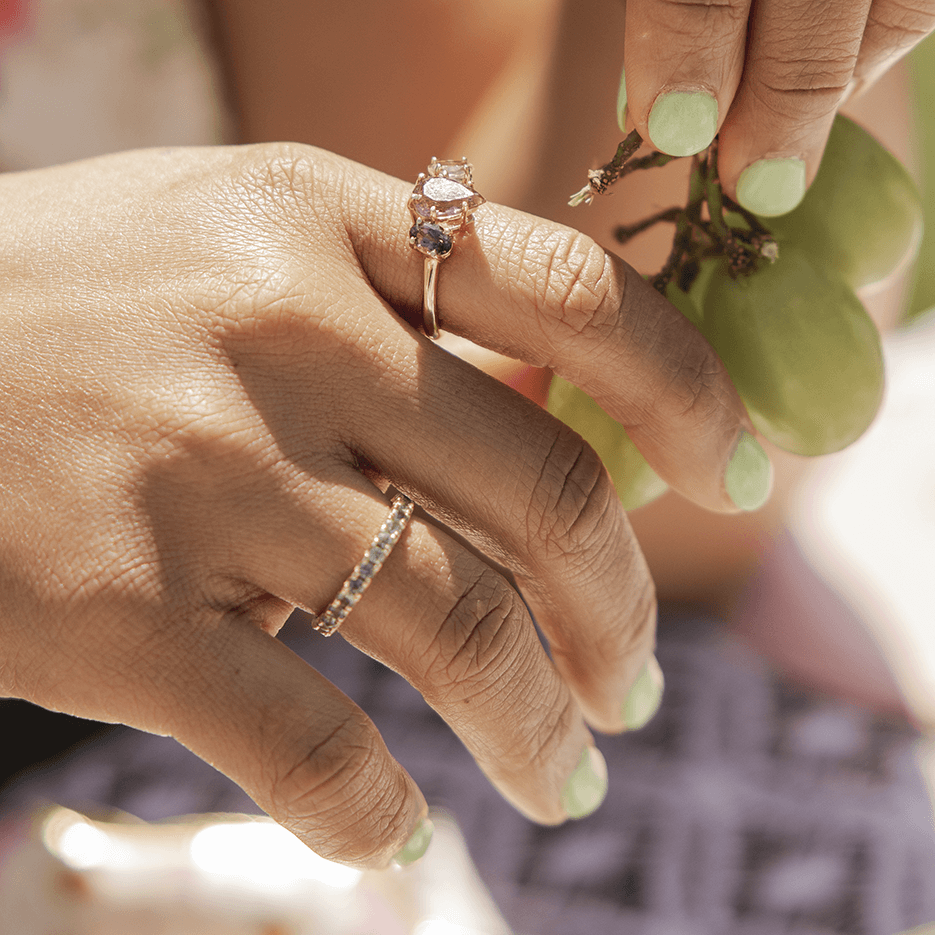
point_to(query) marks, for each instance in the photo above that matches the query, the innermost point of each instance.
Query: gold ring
(442, 206)
(328, 621)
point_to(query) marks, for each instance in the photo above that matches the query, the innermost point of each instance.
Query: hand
(769, 75)
(208, 377)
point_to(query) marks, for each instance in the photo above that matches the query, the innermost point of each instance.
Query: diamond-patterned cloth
(746, 807)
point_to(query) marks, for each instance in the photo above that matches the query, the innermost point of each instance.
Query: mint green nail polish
(622, 103)
(645, 696)
(587, 785)
(682, 123)
(771, 187)
(749, 474)
(417, 844)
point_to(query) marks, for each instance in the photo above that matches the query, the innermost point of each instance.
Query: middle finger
(551, 297)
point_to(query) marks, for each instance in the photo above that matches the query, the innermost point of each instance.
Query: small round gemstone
(430, 239)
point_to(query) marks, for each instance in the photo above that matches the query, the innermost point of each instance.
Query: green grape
(636, 482)
(862, 215)
(801, 350)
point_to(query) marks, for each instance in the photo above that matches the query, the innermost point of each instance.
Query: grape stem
(599, 180)
(745, 244)
(625, 232)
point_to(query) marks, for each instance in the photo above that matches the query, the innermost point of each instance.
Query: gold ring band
(328, 621)
(442, 207)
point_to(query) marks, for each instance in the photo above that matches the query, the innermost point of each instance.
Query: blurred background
(848, 564)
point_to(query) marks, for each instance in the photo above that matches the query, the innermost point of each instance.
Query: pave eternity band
(328, 621)
(442, 205)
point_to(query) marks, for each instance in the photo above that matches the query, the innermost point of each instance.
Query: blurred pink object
(13, 17)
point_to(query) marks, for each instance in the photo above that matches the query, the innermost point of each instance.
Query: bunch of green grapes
(797, 342)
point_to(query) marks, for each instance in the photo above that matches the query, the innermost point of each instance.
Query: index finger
(547, 295)
(683, 64)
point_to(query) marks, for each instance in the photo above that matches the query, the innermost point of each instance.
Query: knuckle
(693, 20)
(892, 27)
(287, 189)
(338, 791)
(489, 660)
(574, 510)
(805, 64)
(317, 776)
(478, 642)
(283, 176)
(577, 282)
(792, 86)
(558, 716)
(688, 385)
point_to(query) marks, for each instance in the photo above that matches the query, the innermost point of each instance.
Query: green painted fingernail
(683, 123)
(772, 187)
(645, 696)
(417, 844)
(587, 785)
(749, 474)
(622, 102)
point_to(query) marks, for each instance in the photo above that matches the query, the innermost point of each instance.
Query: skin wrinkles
(577, 277)
(344, 791)
(484, 633)
(240, 494)
(578, 491)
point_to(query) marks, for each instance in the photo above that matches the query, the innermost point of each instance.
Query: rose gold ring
(442, 206)
(328, 621)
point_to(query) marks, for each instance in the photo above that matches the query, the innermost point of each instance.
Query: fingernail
(749, 474)
(683, 123)
(771, 187)
(645, 696)
(622, 102)
(417, 844)
(587, 785)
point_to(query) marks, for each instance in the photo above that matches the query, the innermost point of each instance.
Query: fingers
(456, 630)
(769, 74)
(528, 492)
(800, 61)
(451, 624)
(893, 28)
(301, 749)
(683, 65)
(544, 294)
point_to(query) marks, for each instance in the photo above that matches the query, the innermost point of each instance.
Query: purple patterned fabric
(746, 807)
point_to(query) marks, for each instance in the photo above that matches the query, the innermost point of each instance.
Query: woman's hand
(769, 75)
(209, 376)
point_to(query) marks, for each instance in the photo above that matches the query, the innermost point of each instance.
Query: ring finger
(450, 623)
